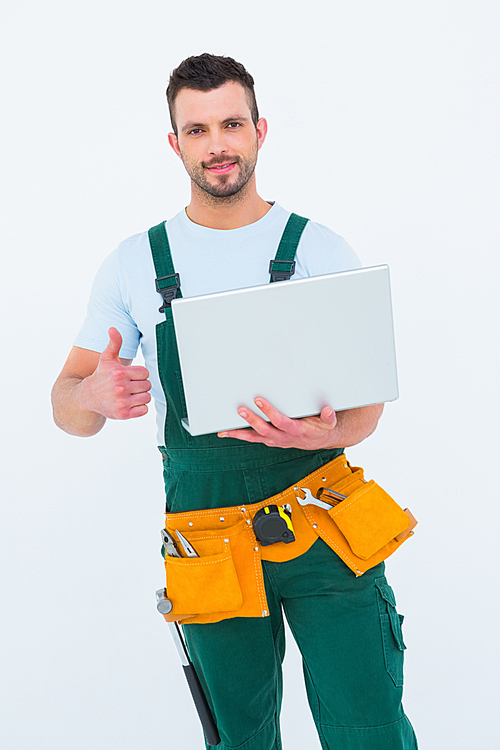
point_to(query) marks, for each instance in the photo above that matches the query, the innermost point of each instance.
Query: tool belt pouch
(226, 579)
(366, 527)
(220, 583)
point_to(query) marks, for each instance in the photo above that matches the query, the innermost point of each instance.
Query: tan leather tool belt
(226, 579)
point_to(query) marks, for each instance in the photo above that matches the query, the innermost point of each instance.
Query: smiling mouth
(221, 168)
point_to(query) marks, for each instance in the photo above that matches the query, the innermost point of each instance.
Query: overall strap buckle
(281, 270)
(168, 286)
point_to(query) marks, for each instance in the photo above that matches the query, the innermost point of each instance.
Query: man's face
(216, 138)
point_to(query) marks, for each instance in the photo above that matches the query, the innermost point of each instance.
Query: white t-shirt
(207, 260)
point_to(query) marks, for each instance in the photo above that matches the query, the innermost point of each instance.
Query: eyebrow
(233, 118)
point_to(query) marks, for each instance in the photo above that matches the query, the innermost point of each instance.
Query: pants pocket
(392, 634)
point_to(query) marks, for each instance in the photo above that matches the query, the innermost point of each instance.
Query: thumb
(113, 348)
(328, 416)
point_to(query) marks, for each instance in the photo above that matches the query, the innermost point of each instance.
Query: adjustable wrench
(309, 498)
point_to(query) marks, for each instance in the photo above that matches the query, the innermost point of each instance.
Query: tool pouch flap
(204, 584)
(226, 579)
(369, 519)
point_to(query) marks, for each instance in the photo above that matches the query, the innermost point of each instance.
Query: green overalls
(347, 628)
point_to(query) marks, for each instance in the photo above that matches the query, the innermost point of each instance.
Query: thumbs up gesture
(115, 390)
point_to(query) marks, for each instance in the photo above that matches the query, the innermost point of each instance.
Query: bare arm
(327, 430)
(93, 387)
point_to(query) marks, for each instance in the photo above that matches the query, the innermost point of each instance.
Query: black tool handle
(206, 718)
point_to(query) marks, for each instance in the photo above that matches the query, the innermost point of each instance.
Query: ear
(261, 132)
(172, 139)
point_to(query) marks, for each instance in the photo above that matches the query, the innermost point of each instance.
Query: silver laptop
(302, 345)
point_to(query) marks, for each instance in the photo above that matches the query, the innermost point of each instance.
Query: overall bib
(347, 628)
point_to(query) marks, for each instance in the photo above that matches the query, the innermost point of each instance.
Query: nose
(217, 143)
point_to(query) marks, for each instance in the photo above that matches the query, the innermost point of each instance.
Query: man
(224, 240)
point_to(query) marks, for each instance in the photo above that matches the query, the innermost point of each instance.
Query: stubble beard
(227, 189)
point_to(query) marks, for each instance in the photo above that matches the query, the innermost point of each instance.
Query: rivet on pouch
(243, 510)
(315, 525)
(226, 541)
(295, 488)
(248, 521)
(264, 613)
(358, 572)
(323, 479)
(190, 523)
(221, 518)
(256, 549)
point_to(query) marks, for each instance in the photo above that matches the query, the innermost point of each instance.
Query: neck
(246, 207)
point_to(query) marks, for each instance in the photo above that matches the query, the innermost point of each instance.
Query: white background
(384, 123)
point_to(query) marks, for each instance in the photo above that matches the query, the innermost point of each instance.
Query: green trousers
(349, 635)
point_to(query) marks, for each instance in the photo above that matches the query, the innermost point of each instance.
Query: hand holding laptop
(309, 433)
(325, 430)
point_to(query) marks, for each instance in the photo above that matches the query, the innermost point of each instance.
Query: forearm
(355, 425)
(69, 413)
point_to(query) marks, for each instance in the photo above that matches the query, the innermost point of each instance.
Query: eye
(234, 125)
(195, 131)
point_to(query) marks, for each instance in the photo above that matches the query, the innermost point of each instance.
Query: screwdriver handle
(202, 707)
(164, 606)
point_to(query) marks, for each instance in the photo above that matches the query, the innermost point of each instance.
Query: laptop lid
(302, 345)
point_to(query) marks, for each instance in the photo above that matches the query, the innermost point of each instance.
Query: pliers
(169, 544)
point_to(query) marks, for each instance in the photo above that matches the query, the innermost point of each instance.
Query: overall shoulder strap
(167, 282)
(283, 265)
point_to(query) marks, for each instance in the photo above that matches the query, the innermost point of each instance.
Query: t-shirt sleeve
(344, 258)
(321, 251)
(107, 309)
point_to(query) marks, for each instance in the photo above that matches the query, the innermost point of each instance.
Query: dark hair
(206, 72)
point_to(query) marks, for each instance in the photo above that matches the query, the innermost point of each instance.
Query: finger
(137, 372)
(126, 406)
(250, 436)
(139, 386)
(137, 399)
(257, 423)
(328, 416)
(278, 419)
(137, 411)
(113, 348)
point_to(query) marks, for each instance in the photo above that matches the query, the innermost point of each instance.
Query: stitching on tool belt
(346, 504)
(196, 536)
(209, 537)
(252, 508)
(345, 482)
(326, 536)
(194, 560)
(237, 519)
(257, 564)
